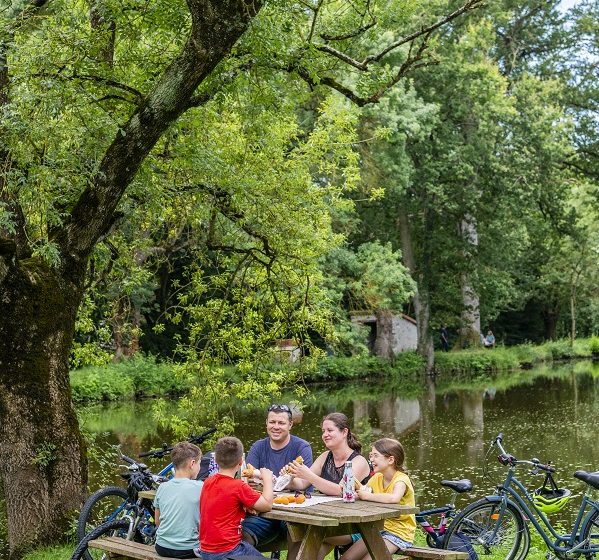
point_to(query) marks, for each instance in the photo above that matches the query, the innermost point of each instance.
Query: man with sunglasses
(274, 452)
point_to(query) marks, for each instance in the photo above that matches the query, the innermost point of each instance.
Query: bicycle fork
(487, 540)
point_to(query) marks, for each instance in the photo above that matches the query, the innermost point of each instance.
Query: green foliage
(140, 376)
(594, 345)
(44, 454)
(407, 365)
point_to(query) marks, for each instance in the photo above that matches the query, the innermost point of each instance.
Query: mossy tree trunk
(42, 456)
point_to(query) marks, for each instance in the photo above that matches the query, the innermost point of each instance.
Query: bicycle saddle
(591, 478)
(459, 486)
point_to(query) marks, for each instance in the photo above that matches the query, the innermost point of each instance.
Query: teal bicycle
(496, 525)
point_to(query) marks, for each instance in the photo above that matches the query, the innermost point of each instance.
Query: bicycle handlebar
(506, 458)
(198, 439)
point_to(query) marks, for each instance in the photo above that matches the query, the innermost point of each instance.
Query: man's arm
(306, 453)
(157, 517)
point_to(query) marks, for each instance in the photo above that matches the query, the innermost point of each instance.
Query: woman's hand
(295, 469)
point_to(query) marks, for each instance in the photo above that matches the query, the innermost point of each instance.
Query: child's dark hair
(183, 452)
(228, 451)
(391, 448)
(342, 423)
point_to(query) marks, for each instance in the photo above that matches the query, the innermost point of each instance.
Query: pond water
(549, 413)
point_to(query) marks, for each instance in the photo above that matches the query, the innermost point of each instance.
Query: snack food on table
(300, 499)
(248, 471)
(286, 500)
(299, 459)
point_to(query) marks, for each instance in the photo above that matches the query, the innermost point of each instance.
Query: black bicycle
(113, 503)
(135, 520)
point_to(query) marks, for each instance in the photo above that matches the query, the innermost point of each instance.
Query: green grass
(57, 552)
(479, 362)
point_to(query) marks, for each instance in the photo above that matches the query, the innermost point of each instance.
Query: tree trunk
(573, 315)
(470, 330)
(43, 465)
(383, 345)
(422, 308)
(550, 316)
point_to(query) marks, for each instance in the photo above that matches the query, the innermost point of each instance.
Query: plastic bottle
(212, 466)
(347, 483)
(243, 467)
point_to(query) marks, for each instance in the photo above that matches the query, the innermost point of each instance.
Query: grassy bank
(471, 363)
(142, 376)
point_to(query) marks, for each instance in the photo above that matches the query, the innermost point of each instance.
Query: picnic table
(311, 524)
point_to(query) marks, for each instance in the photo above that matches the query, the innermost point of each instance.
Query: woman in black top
(327, 470)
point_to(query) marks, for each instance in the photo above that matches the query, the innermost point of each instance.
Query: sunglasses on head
(279, 408)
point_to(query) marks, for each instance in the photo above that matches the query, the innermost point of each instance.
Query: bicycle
(497, 524)
(435, 536)
(135, 520)
(109, 503)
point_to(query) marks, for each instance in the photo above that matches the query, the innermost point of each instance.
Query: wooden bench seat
(117, 547)
(427, 553)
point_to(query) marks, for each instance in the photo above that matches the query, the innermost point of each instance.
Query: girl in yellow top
(389, 485)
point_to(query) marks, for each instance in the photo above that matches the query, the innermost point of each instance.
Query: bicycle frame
(506, 491)
(436, 537)
(437, 534)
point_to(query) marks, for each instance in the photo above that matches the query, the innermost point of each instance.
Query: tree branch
(216, 26)
(425, 31)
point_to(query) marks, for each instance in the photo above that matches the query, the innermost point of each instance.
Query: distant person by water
(489, 340)
(444, 338)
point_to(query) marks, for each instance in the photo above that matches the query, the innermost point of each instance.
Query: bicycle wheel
(591, 531)
(118, 527)
(103, 505)
(475, 530)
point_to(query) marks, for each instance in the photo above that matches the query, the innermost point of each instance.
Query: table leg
(373, 540)
(311, 543)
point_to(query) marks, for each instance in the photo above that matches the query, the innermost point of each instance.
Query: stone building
(388, 333)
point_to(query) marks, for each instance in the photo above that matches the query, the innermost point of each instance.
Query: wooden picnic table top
(328, 514)
(337, 512)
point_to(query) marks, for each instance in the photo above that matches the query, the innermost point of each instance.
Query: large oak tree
(121, 74)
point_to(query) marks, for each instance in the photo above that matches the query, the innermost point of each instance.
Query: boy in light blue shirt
(177, 505)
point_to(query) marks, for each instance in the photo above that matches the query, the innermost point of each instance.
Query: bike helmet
(548, 500)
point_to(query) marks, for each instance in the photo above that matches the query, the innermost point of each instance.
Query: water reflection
(549, 413)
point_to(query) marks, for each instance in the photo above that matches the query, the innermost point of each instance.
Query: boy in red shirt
(224, 501)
